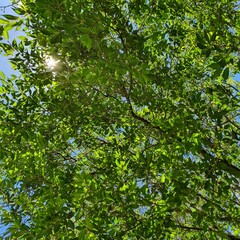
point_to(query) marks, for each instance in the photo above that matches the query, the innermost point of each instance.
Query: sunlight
(51, 62)
(20, 4)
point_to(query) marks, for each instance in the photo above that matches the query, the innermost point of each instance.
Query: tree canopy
(133, 132)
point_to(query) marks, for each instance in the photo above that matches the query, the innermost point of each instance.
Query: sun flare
(51, 62)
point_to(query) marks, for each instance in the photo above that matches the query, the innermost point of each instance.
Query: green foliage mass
(134, 133)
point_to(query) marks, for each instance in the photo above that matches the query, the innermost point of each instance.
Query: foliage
(134, 134)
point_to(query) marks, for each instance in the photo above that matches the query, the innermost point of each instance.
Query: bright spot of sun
(51, 63)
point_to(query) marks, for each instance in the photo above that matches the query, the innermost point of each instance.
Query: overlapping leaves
(135, 133)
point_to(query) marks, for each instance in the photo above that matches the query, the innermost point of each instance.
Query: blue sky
(5, 66)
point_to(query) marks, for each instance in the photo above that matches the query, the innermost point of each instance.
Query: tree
(134, 133)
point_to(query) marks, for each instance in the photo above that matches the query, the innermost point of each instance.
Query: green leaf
(5, 34)
(10, 17)
(163, 178)
(3, 21)
(201, 46)
(225, 73)
(200, 39)
(57, 38)
(217, 73)
(6, 30)
(2, 75)
(86, 41)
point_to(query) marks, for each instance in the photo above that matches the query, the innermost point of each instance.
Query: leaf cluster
(134, 134)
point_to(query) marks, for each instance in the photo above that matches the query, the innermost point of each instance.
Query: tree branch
(9, 5)
(189, 228)
(233, 123)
